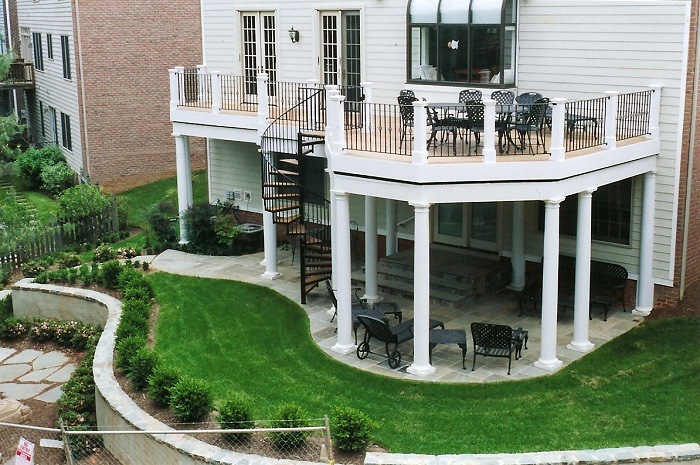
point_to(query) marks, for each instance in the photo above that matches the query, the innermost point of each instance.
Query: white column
(371, 294)
(175, 74)
(517, 258)
(216, 92)
(421, 292)
(337, 142)
(489, 151)
(580, 342)
(645, 284)
(550, 282)
(611, 119)
(270, 246)
(367, 114)
(184, 182)
(334, 241)
(263, 101)
(419, 156)
(202, 83)
(557, 150)
(655, 112)
(343, 268)
(391, 233)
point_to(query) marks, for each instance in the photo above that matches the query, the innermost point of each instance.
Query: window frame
(41, 119)
(38, 51)
(507, 29)
(65, 57)
(66, 141)
(49, 46)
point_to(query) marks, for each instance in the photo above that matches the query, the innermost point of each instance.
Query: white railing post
(175, 74)
(215, 92)
(655, 112)
(366, 106)
(263, 103)
(557, 150)
(336, 105)
(331, 124)
(202, 88)
(489, 151)
(311, 115)
(420, 136)
(611, 104)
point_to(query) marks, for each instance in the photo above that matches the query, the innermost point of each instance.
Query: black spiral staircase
(285, 146)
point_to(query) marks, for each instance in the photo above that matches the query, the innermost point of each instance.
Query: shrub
(69, 260)
(351, 429)
(190, 400)
(160, 384)
(137, 306)
(129, 277)
(104, 253)
(33, 268)
(126, 348)
(12, 328)
(32, 161)
(110, 273)
(5, 274)
(139, 293)
(289, 416)
(57, 178)
(85, 275)
(6, 307)
(132, 324)
(200, 227)
(235, 413)
(161, 231)
(141, 366)
(122, 212)
(83, 201)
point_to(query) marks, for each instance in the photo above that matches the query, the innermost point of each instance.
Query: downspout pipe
(691, 152)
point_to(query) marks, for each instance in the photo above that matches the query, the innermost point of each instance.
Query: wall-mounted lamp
(294, 35)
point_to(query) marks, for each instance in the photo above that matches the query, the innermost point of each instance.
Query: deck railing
(20, 73)
(585, 123)
(633, 111)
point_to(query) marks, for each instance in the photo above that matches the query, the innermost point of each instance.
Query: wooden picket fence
(61, 235)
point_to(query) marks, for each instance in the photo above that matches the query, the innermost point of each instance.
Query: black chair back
(503, 97)
(470, 95)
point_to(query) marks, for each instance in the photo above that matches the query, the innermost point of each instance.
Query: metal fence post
(66, 446)
(329, 442)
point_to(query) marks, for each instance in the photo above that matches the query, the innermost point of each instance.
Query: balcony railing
(426, 130)
(20, 74)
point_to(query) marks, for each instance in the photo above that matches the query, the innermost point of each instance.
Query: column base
(515, 287)
(183, 242)
(372, 299)
(271, 275)
(421, 370)
(343, 349)
(549, 365)
(642, 311)
(581, 346)
(331, 311)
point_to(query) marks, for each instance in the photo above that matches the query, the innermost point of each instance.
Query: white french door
(473, 225)
(340, 59)
(259, 48)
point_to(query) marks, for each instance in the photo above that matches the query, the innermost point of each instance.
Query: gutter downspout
(82, 88)
(10, 46)
(691, 152)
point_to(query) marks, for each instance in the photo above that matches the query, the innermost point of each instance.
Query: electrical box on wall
(237, 194)
(247, 196)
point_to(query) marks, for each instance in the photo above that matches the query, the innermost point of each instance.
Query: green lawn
(143, 197)
(640, 389)
(45, 207)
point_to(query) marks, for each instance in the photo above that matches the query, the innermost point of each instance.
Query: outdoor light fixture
(294, 35)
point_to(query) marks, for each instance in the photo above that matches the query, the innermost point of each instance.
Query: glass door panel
(484, 226)
(450, 227)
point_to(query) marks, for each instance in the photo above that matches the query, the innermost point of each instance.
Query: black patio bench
(491, 340)
(449, 336)
(378, 328)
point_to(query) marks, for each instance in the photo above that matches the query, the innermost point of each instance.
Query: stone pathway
(33, 374)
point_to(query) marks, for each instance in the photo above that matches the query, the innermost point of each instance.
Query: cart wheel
(394, 359)
(363, 350)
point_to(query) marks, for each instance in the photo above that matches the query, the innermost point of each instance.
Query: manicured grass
(143, 197)
(45, 206)
(640, 389)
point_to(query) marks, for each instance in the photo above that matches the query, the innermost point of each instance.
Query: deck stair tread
(280, 196)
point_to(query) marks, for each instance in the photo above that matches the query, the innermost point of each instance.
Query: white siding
(235, 165)
(54, 17)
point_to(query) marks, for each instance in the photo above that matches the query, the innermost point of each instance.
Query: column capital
(553, 203)
(339, 194)
(420, 206)
(587, 192)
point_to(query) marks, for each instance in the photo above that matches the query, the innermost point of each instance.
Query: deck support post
(420, 136)
(645, 284)
(421, 292)
(489, 152)
(391, 231)
(270, 246)
(366, 103)
(216, 92)
(343, 268)
(655, 112)
(263, 101)
(176, 91)
(611, 119)
(557, 150)
(184, 182)
(371, 294)
(517, 257)
(550, 282)
(582, 307)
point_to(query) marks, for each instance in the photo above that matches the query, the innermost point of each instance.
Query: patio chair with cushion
(379, 329)
(493, 340)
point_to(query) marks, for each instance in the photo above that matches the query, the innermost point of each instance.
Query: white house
(289, 92)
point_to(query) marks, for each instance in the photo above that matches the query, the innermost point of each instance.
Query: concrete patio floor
(501, 308)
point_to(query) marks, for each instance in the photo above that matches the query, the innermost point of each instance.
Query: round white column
(184, 182)
(421, 292)
(580, 342)
(517, 258)
(391, 233)
(371, 294)
(645, 285)
(270, 244)
(550, 282)
(343, 268)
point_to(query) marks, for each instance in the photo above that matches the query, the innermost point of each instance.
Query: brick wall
(127, 49)
(665, 296)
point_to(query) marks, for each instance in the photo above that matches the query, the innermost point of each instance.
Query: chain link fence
(73, 446)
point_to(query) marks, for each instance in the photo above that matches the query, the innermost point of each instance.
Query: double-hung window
(38, 51)
(49, 46)
(465, 41)
(65, 53)
(65, 131)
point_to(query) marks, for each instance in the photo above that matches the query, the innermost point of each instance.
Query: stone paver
(35, 376)
(5, 352)
(62, 375)
(21, 391)
(12, 372)
(26, 356)
(51, 395)
(50, 359)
